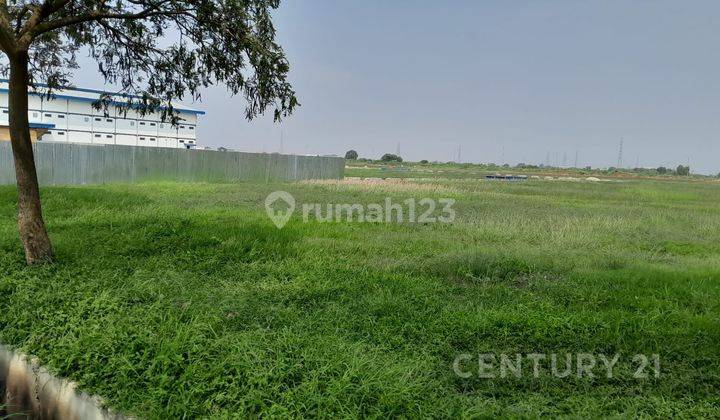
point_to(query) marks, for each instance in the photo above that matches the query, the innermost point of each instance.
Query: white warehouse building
(70, 117)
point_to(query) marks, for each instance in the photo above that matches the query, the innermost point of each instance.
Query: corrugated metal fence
(67, 163)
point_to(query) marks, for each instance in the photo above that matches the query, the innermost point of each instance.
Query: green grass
(183, 300)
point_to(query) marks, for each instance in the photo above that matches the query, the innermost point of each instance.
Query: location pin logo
(280, 213)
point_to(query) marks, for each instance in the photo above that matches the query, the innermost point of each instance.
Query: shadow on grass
(111, 227)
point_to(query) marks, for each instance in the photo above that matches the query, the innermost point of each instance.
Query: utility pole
(282, 140)
(620, 157)
(576, 159)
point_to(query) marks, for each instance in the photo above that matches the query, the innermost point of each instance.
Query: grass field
(183, 300)
(414, 170)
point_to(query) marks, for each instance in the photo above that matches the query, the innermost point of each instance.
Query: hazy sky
(508, 81)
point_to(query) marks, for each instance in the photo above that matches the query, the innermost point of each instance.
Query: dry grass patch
(382, 185)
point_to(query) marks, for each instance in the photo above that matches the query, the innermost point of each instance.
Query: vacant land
(174, 300)
(414, 170)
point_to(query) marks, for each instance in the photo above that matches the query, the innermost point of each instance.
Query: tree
(153, 50)
(662, 170)
(389, 157)
(682, 170)
(351, 155)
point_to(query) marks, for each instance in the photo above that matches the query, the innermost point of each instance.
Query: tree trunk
(30, 221)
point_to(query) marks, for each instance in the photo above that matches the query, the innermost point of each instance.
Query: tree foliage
(351, 155)
(682, 170)
(156, 50)
(389, 157)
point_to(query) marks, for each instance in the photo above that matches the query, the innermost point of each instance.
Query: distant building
(37, 130)
(70, 117)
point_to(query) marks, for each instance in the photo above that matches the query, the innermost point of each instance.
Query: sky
(498, 81)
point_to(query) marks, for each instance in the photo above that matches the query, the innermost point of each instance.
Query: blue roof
(41, 125)
(99, 92)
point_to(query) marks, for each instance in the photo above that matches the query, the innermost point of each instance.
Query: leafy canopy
(154, 50)
(389, 157)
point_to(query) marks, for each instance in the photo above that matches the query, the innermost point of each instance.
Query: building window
(142, 138)
(152, 124)
(5, 111)
(162, 125)
(132, 123)
(192, 128)
(182, 141)
(61, 116)
(109, 120)
(35, 114)
(48, 115)
(97, 135)
(142, 123)
(109, 136)
(98, 119)
(152, 138)
(86, 119)
(61, 133)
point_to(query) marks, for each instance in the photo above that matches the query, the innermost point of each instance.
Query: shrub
(351, 155)
(389, 157)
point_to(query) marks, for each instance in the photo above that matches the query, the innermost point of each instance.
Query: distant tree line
(387, 157)
(681, 170)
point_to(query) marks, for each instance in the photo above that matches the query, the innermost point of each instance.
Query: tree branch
(7, 39)
(96, 15)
